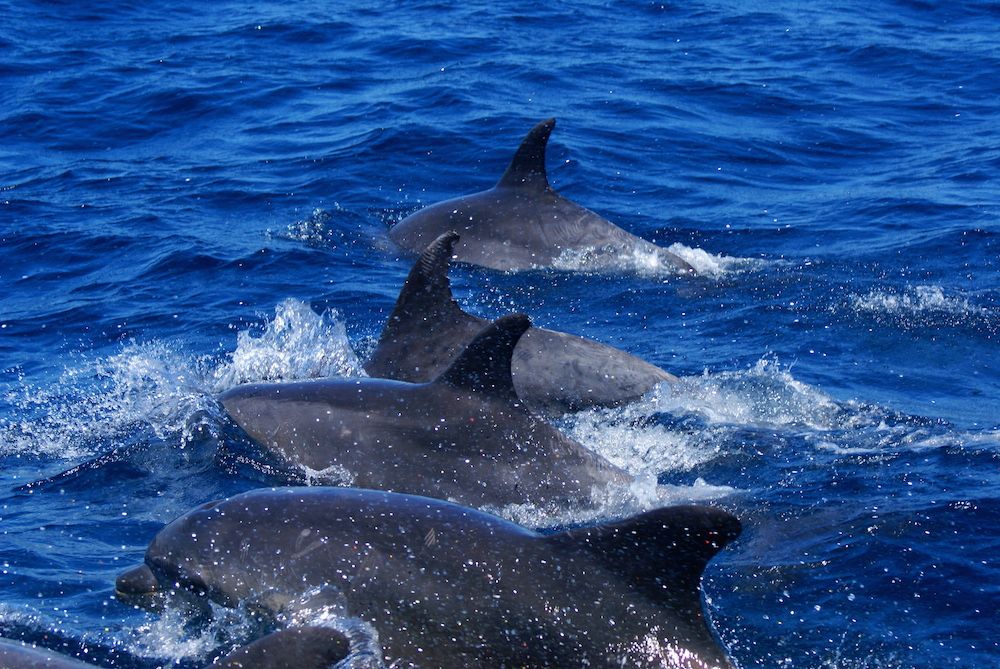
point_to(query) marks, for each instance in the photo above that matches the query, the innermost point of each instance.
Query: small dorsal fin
(484, 365)
(527, 167)
(663, 552)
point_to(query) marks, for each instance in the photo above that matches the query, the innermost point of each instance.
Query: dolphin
(554, 372)
(309, 647)
(445, 586)
(523, 223)
(464, 436)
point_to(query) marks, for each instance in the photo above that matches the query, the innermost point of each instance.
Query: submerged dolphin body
(300, 647)
(523, 223)
(464, 436)
(554, 373)
(450, 587)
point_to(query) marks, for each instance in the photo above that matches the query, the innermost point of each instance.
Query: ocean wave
(699, 420)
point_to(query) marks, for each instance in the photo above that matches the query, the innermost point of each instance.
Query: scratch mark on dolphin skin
(299, 551)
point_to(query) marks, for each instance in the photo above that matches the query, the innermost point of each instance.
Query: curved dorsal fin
(427, 286)
(663, 552)
(484, 365)
(527, 167)
(424, 312)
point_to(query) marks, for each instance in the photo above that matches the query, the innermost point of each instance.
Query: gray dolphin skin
(450, 587)
(19, 655)
(523, 223)
(464, 436)
(307, 647)
(554, 372)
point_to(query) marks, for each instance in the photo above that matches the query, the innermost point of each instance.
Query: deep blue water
(194, 196)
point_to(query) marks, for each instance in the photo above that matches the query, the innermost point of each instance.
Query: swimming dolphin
(464, 436)
(523, 223)
(309, 647)
(554, 373)
(450, 587)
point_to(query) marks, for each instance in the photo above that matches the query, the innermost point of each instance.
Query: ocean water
(194, 196)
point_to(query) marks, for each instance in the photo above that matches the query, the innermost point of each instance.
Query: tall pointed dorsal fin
(527, 167)
(427, 287)
(663, 552)
(484, 365)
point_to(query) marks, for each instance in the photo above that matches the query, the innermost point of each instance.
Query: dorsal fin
(662, 552)
(427, 287)
(484, 365)
(426, 328)
(527, 167)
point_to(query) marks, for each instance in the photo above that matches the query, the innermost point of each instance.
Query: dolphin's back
(448, 586)
(523, 223)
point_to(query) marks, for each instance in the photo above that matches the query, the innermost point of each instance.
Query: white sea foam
(765, 394)
(713, 265)
(651, 262)
(613, 501)
(163, 636)
(168, 636)
(624, 438)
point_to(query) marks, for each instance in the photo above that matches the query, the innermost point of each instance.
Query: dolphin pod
(523, 223)
(448, 587)
(554, 373)
(464, 436)
(453, 426)
(308, 647)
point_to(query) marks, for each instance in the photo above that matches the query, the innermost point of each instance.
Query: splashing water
(97, 403)
(155, 387)
(651, 262)
(297, 343)
(765, 394)
(712, 265)
(914, 300)
(613, 501)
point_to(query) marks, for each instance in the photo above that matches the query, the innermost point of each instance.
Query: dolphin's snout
(137, 581)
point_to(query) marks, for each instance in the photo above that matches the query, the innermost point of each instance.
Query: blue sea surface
(198, 195)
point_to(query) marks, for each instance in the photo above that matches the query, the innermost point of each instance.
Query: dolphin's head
(186, 557)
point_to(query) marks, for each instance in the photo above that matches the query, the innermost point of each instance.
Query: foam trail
(614, 501)
(712, 265)
(652, 264)
(763, 395)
